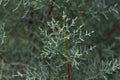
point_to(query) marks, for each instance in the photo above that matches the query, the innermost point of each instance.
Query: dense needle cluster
(59, 40)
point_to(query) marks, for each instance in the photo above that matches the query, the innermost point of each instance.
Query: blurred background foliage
(58, 39)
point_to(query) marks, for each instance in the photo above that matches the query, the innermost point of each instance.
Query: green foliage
(39, 38)
(2, 33)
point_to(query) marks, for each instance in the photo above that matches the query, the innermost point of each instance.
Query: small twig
(111, 31)
(68, 69)
(50, 10)
(3, 59)
(84, 7)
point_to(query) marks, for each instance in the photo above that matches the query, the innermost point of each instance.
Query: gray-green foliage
(38, 46)
(2, 33)
(64, 43)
